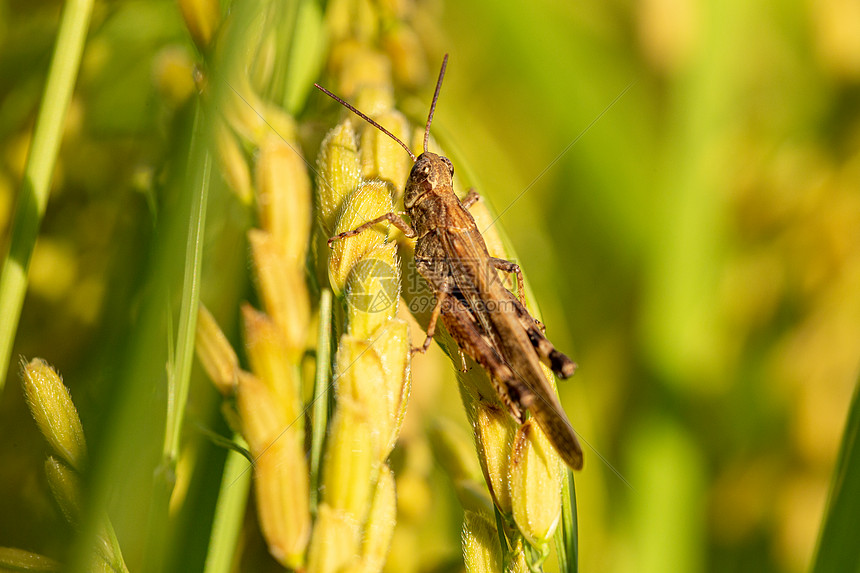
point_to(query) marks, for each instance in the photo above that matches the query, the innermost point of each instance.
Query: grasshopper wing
(494, 309)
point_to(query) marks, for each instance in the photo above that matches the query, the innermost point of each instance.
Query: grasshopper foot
(340, 236)
(463, 367)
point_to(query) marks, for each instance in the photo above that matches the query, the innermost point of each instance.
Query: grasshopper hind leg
(558, 362)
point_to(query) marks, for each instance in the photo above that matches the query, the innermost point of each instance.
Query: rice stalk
(357, 505)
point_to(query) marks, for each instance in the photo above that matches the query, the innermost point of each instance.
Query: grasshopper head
(431, 173)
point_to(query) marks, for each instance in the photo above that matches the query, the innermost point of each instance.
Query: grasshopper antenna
(368, 120)
(433, 104)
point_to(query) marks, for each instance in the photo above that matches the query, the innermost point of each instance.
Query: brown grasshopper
(487, 321)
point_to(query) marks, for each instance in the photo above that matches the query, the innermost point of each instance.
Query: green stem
(181, 374)
(320, 399)
(503, 541)
(566, 537)
(33, 195)
(229, 513)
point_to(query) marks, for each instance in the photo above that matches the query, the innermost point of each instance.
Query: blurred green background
(680, 180)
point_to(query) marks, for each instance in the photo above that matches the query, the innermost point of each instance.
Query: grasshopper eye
(449, 164)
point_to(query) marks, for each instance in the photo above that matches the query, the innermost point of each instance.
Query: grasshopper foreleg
(441, 295)
(392, 218)
(471, 198)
